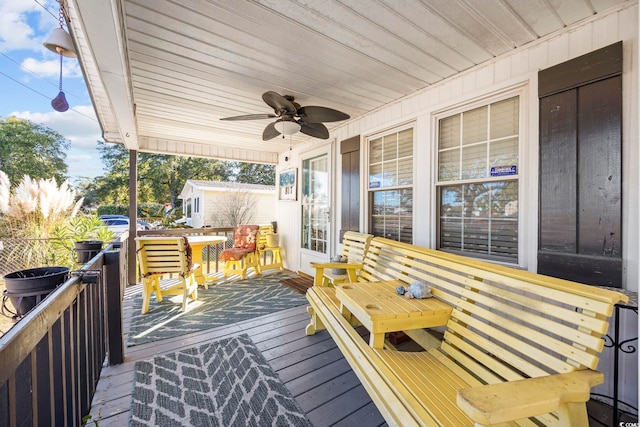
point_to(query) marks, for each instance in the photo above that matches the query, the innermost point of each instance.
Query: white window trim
(525, 168)
(364, 176)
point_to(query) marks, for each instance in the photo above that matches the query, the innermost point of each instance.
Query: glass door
(315, 204)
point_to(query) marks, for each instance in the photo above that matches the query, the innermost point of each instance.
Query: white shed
(225, 204)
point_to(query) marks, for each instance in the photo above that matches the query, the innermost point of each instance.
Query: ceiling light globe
(288, 127)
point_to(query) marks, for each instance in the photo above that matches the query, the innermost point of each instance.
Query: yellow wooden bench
(354, 246)
(520, 349)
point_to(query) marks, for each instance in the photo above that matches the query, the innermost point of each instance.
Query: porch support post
(133, 215)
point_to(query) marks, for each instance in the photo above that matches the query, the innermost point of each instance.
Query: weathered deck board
(311, 367)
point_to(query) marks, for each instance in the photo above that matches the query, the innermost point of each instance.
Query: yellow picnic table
(198, 243)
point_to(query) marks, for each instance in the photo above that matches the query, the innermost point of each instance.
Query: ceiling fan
(293, 118)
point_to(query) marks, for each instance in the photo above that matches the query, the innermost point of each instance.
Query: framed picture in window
(287, 185)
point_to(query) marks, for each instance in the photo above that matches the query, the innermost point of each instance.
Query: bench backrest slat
(355, 245)
(507, 323)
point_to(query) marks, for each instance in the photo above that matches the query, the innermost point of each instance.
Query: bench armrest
(512, 400)
(351, 268)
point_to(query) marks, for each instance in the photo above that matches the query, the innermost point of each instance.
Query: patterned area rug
(223, 383)
(222, 304)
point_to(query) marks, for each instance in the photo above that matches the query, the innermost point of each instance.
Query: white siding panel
(502, 69)
(484, 77)
(558, 50)
(521, 67)
(519, 63)
(580, 40)
(468, 82)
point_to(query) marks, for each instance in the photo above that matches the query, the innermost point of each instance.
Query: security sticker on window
(504, 170)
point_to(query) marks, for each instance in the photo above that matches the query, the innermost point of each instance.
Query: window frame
(366, 177)
(196, 205)
(520, 177)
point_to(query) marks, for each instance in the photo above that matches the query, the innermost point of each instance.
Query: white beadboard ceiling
(162, 73)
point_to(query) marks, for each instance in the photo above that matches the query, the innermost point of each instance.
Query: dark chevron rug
(223, 303)
(223, 383)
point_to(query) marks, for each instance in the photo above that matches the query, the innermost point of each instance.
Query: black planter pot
(86, 249)
(26, 288)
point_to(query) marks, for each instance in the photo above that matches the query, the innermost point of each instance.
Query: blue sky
(29, 75)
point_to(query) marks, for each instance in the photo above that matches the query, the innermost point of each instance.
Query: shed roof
(227, 186)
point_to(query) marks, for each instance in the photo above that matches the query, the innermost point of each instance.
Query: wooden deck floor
(311, 367)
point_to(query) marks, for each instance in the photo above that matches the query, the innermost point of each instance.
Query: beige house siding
(217, 199)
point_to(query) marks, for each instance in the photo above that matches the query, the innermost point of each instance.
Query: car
(113, 217)
(116, 225)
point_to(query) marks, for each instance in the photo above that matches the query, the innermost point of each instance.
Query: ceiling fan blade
(313, 114)
(316, 130)
(270, 132)
(251, 117)
(279, 103)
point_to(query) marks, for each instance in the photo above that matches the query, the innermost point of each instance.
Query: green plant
(79, 228)
(41, 218)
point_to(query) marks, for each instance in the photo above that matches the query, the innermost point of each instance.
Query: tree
(113, 188)
(168, 174)
(254, 173)
(234, 208)
(160, 177)
(27, 148)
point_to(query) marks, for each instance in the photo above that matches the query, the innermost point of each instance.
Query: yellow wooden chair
(243, 255)
(268, 248)
(158, 256)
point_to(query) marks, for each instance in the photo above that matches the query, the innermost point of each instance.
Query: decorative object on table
(244, 253)
(416, 290)
(269, 249)
(340, 259)
(221, 383)
(26, 288)
(287, 185)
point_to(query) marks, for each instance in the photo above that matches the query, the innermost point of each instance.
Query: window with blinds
(391, 186)
(478, 181)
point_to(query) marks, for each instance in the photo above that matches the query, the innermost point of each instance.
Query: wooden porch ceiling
(163, 72)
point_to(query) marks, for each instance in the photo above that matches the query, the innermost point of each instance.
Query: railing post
(113, 308)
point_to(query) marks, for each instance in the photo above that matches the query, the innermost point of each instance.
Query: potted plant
(26, 288)
(82, 237)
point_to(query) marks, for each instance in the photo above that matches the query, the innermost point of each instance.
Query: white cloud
(51, 68)
(24, 24)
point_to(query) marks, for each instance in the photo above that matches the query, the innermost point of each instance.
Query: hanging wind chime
(60, 42)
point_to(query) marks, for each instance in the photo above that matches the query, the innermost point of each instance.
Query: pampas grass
(31, 212)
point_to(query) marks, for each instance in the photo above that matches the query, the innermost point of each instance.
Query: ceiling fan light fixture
(288, 127)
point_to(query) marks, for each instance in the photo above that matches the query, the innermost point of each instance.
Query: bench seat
(519, 349)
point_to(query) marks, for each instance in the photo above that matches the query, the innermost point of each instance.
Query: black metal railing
(53, 356)
(621, 344)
